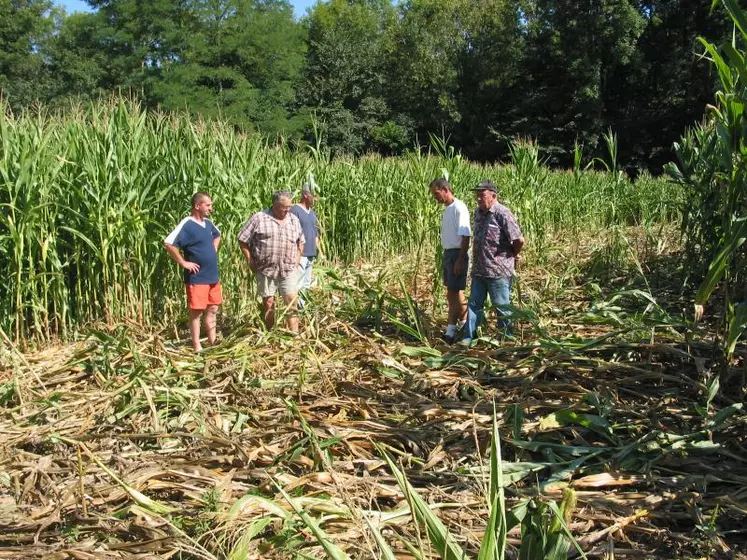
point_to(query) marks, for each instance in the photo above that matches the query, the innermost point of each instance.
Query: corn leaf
(332, 550)
(440, 537)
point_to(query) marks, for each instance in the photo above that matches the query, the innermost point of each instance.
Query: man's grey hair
(277, 195)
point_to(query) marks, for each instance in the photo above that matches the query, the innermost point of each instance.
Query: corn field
(609, 428)
(88, 196)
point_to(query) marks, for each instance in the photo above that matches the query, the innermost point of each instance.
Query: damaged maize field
(606, 409)
(611, 427)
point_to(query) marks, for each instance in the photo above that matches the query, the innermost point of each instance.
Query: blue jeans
(499, 290)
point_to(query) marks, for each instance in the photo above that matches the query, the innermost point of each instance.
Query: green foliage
(345, 72)
(544, 529)
(492, 76)
(333, 551)
(88, 196)
(424, 70)
(241, 63)
(209, 91)
(665, 88)
(390, 137)
(712, 165)
(588, 40)
(77, 60)
(382, 76)
(23, 26)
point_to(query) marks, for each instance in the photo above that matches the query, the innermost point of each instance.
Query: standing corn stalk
(712, 161)
(85, 194)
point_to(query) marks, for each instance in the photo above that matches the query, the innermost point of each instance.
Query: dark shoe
(447, 338)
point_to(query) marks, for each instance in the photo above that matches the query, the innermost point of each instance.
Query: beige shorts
(268, 286)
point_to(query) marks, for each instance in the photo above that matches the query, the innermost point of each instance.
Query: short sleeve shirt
(494, 234)
(455, 225)
(273, 245)
(310, 226)
(195, 239)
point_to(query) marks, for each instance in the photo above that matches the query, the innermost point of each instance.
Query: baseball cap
(485, 185)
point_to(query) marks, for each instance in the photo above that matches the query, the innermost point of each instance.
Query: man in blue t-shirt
(194, 246)
(310, 225)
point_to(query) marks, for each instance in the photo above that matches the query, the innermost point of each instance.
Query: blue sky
(299, 6)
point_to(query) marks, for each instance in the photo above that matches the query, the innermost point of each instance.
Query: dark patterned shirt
(494, 233)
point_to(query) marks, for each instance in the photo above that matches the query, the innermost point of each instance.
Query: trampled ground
(125, 445)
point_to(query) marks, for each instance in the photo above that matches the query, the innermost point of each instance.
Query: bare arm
(300, 243)
(517, 245)
(461, 261)
(175, 254)
(245, 249)
(216, 243)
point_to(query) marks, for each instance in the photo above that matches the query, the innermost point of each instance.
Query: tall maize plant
(87, 196)
(712, 164)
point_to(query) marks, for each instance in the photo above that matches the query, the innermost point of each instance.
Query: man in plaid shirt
(272, 242)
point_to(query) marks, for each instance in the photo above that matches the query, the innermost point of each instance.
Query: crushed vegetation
(127, 446)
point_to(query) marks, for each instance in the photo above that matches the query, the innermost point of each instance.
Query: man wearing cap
(455, 234)
(272, 242)
(497, 243)
(310, 225)
(198, 239)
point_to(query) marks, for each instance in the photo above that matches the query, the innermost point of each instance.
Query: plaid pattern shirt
(273, 245)
(494, 234)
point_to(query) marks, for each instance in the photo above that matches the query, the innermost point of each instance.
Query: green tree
(76, 58)
(572, 47)
(491, 77)
(653, 100)
(141, 38)
(242, 63)
(424, 51)
(346, 68)
(24, 26)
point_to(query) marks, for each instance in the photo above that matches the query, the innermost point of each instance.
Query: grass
(125, 444)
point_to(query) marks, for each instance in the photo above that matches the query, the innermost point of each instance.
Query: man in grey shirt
(310, 224)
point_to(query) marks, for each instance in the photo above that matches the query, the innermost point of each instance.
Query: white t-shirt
(455, 225)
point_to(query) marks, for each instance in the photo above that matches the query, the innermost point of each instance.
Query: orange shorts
(199, 296)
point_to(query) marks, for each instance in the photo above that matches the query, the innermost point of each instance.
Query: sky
(299, 6)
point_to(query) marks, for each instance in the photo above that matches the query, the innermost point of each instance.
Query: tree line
(372, 75)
